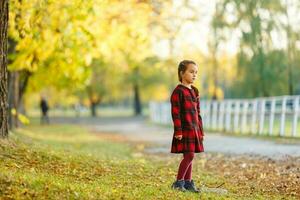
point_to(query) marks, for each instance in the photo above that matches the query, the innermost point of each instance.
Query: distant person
(44, 109)
(188, 130)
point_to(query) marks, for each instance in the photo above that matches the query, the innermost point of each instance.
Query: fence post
(295, 117)
(221, 116)
(151, 111)
(272, 114)
(228, 115)
(204, 112)
(165, 113)
(159, 112)
(282, 119)
(154, 115)
(214, 114)
(262, 116)
(244, 117)
(254, 112)
(236, 116)
(208, 116)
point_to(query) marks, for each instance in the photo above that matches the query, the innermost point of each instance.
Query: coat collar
(183, 86)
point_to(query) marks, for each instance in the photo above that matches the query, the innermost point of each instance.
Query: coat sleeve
(176, 111)
(199, 116)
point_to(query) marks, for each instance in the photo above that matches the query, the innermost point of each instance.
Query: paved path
(138, 129)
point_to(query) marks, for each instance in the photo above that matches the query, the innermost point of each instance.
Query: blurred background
(108, 58)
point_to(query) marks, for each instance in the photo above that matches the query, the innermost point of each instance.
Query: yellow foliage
(158, 93)
(219, 92)
(13, 112)
(23, 119)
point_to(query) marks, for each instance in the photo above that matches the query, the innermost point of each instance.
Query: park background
(126, 53)
(101, 60)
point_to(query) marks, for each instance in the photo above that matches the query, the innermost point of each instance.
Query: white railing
(276, 116)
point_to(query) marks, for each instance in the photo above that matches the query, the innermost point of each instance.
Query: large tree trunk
(136, 92)
(94, 102)
(3, 68)
(17, 84)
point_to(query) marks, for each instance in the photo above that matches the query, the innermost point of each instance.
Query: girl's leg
(184, 165)
(188, 174)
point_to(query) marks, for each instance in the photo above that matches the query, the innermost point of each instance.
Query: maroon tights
(186, 166)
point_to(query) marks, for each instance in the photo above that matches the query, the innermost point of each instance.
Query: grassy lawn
(68, 162)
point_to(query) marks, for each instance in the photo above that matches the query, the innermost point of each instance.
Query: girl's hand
(178, 137)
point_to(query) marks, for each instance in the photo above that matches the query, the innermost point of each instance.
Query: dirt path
(138, 129)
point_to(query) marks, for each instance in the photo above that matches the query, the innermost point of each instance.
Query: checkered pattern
(185, 109)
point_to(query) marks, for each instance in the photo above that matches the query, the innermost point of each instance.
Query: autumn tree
(3, 68)
(254, 22)
(48, 46)
(292, 36)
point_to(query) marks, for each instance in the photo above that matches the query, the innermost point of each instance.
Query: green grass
(68, 162)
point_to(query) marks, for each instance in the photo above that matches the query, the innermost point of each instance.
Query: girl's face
(190, 74)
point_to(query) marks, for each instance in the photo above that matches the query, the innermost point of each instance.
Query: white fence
(276, 116)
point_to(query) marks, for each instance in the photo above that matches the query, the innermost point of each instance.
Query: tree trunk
(17, 80)
(13, 98)
(24, 76)
(137, 101)
(3, 68)
(93, 109)
(215, 46)
(16, 99)
(289, 51)
(17, 84)
(215, 71)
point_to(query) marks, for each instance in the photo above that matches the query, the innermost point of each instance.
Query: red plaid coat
(185, 109)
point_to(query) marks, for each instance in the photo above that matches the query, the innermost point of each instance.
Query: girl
(188, 130)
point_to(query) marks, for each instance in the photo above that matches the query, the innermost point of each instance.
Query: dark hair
(183, 66)
(196, 91)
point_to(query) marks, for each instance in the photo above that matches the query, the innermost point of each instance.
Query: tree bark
(3, 69)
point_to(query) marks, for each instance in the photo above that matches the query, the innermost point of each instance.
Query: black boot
(190, 186)
(179, 185)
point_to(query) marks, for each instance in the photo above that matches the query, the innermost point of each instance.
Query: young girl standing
(188, 130)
